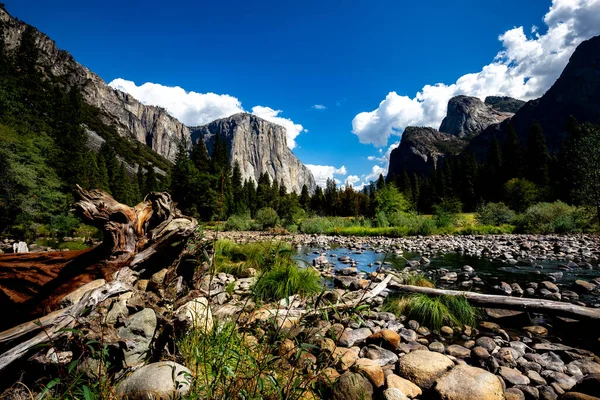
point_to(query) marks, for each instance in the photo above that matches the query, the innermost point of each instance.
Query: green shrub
(520, 193)
(446, 213)
(556, 217)
(286, 279)
(381, 220)
(238, 223)
(267, 217)
(495, 214)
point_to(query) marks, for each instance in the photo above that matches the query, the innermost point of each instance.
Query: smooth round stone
(437, 347)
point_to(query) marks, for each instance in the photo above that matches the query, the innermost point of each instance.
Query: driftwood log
(143, 238)
(540, 306)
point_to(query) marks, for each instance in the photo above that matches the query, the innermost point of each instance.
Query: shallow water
(490, 271)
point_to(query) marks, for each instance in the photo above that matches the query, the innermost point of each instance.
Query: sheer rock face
(469, 116)
(259, 146)
(147, 124)
(422, 149)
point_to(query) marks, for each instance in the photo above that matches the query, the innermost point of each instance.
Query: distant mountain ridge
(575, 93)
(151, 125)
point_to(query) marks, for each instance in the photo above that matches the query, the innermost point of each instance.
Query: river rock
(394, 394)
(405, 386)
(160, 380)
(487, 343)
(589, 385)
(137, 334)
(466, 382)
(423, 367)
(514, 394)
(351, 337)
(458, 351)
(196, 314)
(378, 354)
(578, 396)
(385, 338)
(581, 286)
(352, 386)
(513, 376)
(549, 286)
(371, 369)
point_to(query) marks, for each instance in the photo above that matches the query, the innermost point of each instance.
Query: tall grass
(235, 258)
(434, 312)
(286, 279)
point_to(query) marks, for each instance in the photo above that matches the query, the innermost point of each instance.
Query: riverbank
(513, 248)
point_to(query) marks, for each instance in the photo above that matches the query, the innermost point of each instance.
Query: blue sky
(365, 61)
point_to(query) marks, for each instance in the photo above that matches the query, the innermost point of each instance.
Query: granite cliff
(468, 116)
(259, 146)
(422, 149)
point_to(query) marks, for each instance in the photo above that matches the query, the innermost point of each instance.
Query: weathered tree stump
(33, 284)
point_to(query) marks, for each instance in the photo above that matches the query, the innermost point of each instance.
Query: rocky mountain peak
(259, 146)
(468, 116)
(421, 149)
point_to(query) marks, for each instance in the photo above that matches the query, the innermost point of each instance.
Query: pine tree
(239, 205)
(537, 156)
(490, 179)
(317, 201)
(305, 198)
(380, 182)
(512, 155)
(184, 177)
(331, 197)
(150, 180)
(263, 191)
(102, 180)
(200, 156)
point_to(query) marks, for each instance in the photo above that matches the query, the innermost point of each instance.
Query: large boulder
(137, 333)
(466, 382)
(161, 380)
(423, 367)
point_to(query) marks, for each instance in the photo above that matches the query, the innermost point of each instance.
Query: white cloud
(324, 172)
(191, 108)
(375, 172)
(195, 109)
(320, 107)
(352, 179)
(524, 69)
(292, 129)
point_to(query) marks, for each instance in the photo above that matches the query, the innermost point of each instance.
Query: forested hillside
(44, 148)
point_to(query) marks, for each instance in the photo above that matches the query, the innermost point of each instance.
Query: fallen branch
(511, 303)
(54, 325)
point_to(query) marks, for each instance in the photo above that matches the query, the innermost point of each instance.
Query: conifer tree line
(512, 173)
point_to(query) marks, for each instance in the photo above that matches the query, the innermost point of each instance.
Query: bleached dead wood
(53, 325)
(540, 306)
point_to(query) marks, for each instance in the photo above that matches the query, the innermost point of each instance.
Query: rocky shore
(348, 354)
